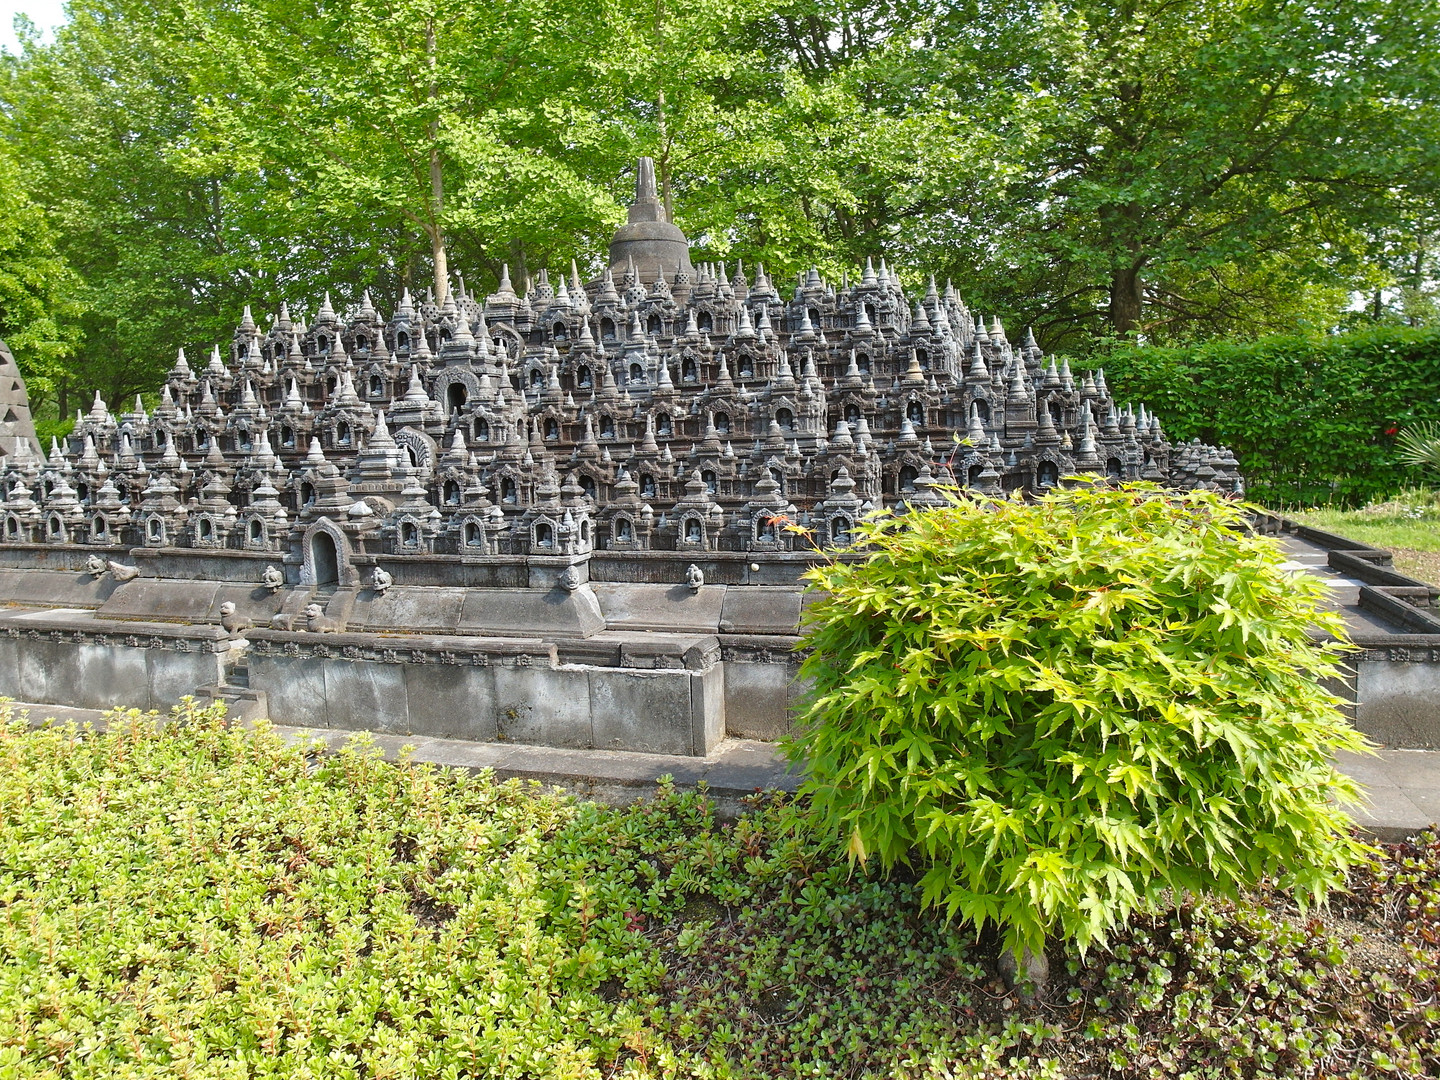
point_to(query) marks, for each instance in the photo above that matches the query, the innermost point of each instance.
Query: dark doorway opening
(325, 559)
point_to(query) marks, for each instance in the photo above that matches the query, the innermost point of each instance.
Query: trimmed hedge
(1312, 420)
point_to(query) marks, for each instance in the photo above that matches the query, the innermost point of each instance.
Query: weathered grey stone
(55, 588)
(15, 420)
(295, 688)
(544, 706)
(452, 701)
(411, 609)
(1398, 703)
(100, 675)
(172, 675)
(757, 699)
(648, 711)
(707, 709)
(385, 508)
(648, 244)
(366, 696)
(148, 599)
(761, 610)
(255, 603)
(511, 612)
(660, 607)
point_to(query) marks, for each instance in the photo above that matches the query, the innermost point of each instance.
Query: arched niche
(325, 554)
(419, 448)
(455, 388)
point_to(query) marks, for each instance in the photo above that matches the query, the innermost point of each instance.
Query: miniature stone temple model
(601, 470)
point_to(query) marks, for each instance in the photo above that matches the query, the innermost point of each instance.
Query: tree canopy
(1177, 169)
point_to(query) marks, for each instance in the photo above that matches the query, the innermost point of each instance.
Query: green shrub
(1064, 709)
(1420, 446)
(1312, 419)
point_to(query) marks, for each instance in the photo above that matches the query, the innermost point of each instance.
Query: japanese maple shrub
(1063, 709)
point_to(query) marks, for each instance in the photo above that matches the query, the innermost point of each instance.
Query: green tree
(464, 125)
(39, 311)
(1189, 165)
(168, 241)
(1182, 169)
(1115, 166)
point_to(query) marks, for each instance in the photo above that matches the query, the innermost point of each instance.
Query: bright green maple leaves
(1068, 710)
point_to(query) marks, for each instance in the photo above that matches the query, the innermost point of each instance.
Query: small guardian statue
(232, 620)
(380, 581)
(95, 566)
(694, 578)
(317, 622)
(273, 579)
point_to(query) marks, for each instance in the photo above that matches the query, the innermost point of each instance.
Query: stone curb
(1402, 786)
(737, 769)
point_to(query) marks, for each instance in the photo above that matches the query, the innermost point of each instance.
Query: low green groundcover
(208, 902)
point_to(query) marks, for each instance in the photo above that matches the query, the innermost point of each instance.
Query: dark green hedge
(1311, 419)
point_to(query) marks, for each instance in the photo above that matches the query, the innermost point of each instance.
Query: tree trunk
(1030, 972)
(665, 163)
(1125, 301)
(437, 234)
(663, 118)
(1417, 280)
(437, 179)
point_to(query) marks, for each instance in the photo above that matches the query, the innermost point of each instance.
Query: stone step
(241, 703)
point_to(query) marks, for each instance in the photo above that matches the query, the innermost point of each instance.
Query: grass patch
(208, 902)
(1408, 525)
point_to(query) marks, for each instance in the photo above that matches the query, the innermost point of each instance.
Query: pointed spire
(975, 435)
(505, 290)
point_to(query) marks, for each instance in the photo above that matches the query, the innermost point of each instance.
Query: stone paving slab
(1403, 789)
(735, 769)
(1403, 786)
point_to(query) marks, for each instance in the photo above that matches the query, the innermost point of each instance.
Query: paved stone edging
(736, 769)
(1403, 785)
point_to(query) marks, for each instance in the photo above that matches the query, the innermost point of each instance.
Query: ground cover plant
(1066, 709)
(1407, 525)
(207, 902)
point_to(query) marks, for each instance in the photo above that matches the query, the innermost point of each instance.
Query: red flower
(1391, 430)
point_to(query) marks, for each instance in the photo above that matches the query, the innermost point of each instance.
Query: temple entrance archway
(324, 559)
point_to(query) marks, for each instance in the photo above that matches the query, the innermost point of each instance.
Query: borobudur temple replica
(555, 518)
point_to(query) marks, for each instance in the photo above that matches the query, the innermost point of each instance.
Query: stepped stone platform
(1393, 692)
(560, 517)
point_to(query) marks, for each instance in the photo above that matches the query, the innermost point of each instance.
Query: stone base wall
(487, 689)
(71, 658)
(629, 660)
(1396, 691)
